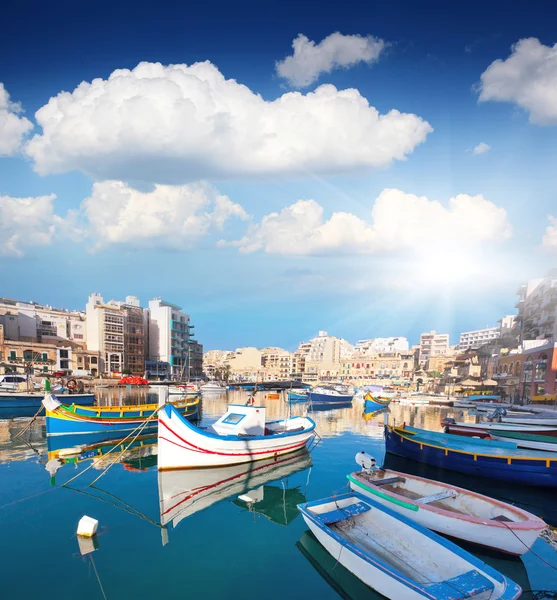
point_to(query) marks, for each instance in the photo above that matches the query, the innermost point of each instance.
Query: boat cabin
(242, 420)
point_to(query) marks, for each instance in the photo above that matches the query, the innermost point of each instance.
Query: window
(13, 355)
(28, 355)
(64, 364)
(93, 360)
(64, 354)
(44, 356)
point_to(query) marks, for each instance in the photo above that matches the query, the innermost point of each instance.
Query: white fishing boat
(188, 389)
(448, 509)
(212, 387)
(240, 435)
(549, 422)
(398, 557)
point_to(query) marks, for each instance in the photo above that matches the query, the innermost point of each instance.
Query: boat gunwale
(367, 557)
(171, 411)
(533, 522)
(399, 431)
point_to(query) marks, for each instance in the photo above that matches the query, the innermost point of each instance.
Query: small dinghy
(397, 557)
(240, 435)
(448, 509)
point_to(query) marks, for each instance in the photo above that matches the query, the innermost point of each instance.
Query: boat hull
(529, 440)
(9, 400)
(535, 472)
(66, 420)
(183, 446)
(482, 430)
(318, 398)
(293, 397)
(514, 537)
(375, 404)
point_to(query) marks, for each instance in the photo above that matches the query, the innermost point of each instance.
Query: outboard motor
(497, 414)
(366, 461)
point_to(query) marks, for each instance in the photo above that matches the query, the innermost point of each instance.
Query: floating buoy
(87, 526)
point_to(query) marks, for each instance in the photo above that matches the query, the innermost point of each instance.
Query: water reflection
(183, 493)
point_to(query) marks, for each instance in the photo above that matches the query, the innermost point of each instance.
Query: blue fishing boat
(398, 557)
(329, 396)
(64, 419)
(373, 402)
(34, 399)
(297, 396)
(484, 458)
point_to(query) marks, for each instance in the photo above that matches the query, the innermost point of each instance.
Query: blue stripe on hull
(35, 400)
(370, 405)
(523, 472)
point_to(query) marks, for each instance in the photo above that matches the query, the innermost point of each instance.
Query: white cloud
(481, 148)
(26, 222)
(173, 217)
(12, 126)
(527, 78)
(174, 124)
(550, 237)
(398, 222)
(310, 60)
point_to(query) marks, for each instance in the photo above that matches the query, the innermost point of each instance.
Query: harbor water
(214, 533)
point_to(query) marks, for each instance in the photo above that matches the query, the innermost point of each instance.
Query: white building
(537, 309)
(322, 356)
(433, 344)
(477, 338)
(382, 345)
(169, 334)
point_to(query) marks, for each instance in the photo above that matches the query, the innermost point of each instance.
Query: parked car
(59, 374)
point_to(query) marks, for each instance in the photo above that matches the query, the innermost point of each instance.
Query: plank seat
(467, 585)
(387, 481)
(341, 514)
(436, 497)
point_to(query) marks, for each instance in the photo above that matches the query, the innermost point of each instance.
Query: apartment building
(195, 359)
(169, 336)
(277, 364)
(117, 332)
(33, 322)
(390, 365)
(537, 309)
(433, 344)
(382, 345)
(322, 357)
(477, 338)
(246, 364)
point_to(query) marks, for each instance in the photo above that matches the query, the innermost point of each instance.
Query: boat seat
(439, 496)
(341, 514)
(388, 480)
(468, 585)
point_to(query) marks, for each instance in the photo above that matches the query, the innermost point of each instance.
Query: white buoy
(87, 526)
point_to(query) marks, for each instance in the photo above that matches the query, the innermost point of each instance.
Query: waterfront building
(277, 364)
(246, 364)
(195, 359)
(116, 331)
(361, 368)
(433, 344)
(322, 357)
(479, 337)
(26, 356)
(33, 322)
(214, 361)
(382, 345)
(537, 309)
(438, 364)
(169, 336)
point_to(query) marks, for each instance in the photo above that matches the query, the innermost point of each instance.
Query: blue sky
(416, 263)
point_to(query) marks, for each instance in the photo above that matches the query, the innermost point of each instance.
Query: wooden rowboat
(241, 435)
(372, 402)
(549, 422)
(398, 557)
(448, 509)
(526, 439)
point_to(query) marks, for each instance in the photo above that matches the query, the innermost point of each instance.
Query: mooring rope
(29, 424)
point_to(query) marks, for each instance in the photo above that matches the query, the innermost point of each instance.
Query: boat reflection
(185, 492)
(277, 503)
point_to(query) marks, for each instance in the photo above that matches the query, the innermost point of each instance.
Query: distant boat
(483, 430)
(212, 387)
(329, 395)
(526, 439)
(188, 389)
(549, 422)
(240, 435)
(34, 399)
(372, 402)
(398, 557)
(448, 509)
(295, 396)
(483, 458)
(63, 419)
(183, 493)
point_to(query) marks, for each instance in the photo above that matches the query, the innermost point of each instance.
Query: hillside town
(518, 356)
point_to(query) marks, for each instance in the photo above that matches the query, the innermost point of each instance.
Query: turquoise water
(214, 544)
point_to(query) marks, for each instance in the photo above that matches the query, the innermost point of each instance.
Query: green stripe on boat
(376, 492)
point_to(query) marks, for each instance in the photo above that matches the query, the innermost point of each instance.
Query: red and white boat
(239, 436)
(448, 509)
(482, 430)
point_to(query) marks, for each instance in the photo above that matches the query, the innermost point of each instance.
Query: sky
(368, 169)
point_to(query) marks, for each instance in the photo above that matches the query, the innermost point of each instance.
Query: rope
(98, 578)
(29, 424)
(140, 427)
(536, 555)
